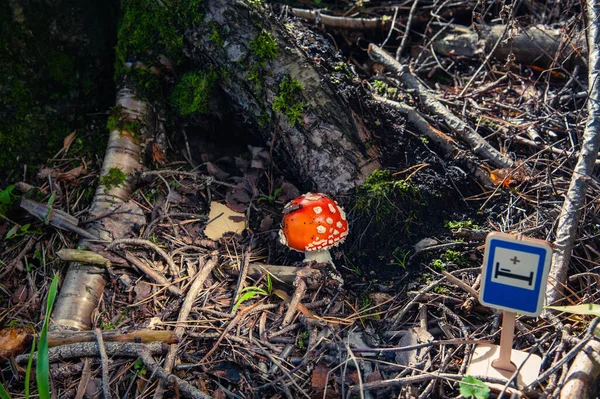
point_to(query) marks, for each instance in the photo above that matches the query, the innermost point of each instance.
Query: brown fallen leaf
(68, 141)
(318, 379)
(14, 340)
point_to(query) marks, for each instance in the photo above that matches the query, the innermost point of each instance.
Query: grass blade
(42, 366)
(3, 393)
(28, 370)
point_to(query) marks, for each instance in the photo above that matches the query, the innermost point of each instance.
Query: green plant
(42, 366)
(472, 388)
(140, 367)
(271, 197)
(248, 293)
(114, 178)
(460, 224)
(3, 393)
(302, 340)
(454, 257)
(28, 370)
(438, 264)
(400, 256)
(19, 231)
(7, 198)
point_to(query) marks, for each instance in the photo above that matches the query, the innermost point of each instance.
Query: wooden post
(506, 342)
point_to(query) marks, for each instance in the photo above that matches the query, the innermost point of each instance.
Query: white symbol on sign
(515, 268)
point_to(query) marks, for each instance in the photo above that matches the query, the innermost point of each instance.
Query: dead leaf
(45, 171)
(239, 198)
(221, 221)
(266, 223)
(288, 192)
(158, 155)
(318, 379)
(68, 141)
(13, 341)
(508, 177)
(142, 290)
(72, 175)
(215, 171)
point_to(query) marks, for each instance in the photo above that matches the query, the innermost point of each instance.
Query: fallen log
(534, 45)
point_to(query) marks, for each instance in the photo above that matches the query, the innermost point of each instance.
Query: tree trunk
(317, 134)
(84, 283)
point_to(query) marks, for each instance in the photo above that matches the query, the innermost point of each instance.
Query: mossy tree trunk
(84, 284)
(285, 84)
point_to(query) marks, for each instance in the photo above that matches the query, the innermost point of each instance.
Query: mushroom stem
(318, 256)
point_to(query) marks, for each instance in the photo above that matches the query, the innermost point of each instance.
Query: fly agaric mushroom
(313, 223)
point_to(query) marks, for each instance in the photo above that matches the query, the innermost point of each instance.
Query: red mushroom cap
(313, 222)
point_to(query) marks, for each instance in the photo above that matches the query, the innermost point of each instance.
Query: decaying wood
(584, 372)
(566, 231)
(256, 270)
(84, 283)
(534, 45)
(57, 338)
(84, 256)
(462, 130)
(327, 147)
(342, 22)
(55, 217)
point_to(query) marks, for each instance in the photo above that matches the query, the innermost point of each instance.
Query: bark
(566, 232)
(84, 283)
(581, 381)
(534, 45)
(330, 147)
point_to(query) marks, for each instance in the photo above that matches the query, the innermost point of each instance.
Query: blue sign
(515, 273)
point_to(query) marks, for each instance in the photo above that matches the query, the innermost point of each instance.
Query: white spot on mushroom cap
(342, 213)
(339, 225)
(282, 238)
(321, 229)
(332, 208)
(329, 220)
(312, 197)
(336, 232)
(318, 210)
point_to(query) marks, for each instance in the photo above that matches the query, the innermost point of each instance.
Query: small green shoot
(140, 367)
(472, 388)
(19, 231)
(248, 293)
(28, 370)
(271, 197)
(49, 212)
(42, 367)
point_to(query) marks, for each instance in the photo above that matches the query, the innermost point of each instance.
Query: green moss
(149, 28)
(192, 93)
(217, 35)
(114, 178)
(51, 78)
(264, 47)
(379, 192)
(287, 102)
(116, 122)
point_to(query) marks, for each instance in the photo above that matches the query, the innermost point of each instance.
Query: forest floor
(406, 319)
